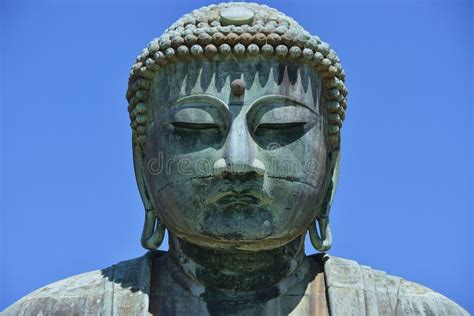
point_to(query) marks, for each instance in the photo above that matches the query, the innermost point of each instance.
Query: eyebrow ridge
(280, 97)
(210, 99)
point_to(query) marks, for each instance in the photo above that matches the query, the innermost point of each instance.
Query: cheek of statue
(269, 194)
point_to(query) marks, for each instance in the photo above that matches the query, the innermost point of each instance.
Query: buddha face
(228, 168)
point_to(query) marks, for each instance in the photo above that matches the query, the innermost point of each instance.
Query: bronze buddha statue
(236, 113)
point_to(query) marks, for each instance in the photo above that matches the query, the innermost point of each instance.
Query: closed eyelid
(195, 101)
(193, 115)
(280, 112)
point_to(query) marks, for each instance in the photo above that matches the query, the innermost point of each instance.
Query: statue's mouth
(232, 198)
(246, 197)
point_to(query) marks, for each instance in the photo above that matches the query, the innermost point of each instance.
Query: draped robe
(345, 288)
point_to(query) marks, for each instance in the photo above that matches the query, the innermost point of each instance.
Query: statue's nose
(239, 152)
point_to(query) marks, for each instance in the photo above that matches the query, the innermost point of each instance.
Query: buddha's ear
(322, 241)
(335, 158)
(153, 231)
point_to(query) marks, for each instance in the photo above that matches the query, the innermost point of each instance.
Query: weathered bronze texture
(236, 113)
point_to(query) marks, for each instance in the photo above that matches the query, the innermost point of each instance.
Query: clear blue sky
(69, 200)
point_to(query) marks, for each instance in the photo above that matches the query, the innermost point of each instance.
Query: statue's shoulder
(120, 287)
(351, 286)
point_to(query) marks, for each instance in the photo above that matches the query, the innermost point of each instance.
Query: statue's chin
(238, 222)
(243, 226)
(232, 240)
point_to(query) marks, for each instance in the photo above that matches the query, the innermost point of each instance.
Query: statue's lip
(234, 197)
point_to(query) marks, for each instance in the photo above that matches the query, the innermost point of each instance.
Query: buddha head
(236, 113)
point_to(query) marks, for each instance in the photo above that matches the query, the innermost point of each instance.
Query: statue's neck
(237, 270)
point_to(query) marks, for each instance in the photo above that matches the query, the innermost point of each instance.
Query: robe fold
(124, 288)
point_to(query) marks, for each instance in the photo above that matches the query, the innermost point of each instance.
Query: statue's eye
(280, 121)
(280, 126)
(194, 119)
(282, 118)
(195, 126)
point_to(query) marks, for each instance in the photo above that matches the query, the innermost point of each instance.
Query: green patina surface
(236, 113)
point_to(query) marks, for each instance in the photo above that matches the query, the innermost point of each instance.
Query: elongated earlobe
(323, 241)
(153, 230)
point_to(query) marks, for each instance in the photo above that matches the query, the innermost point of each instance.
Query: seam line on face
(294, 179)
(183, 180)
